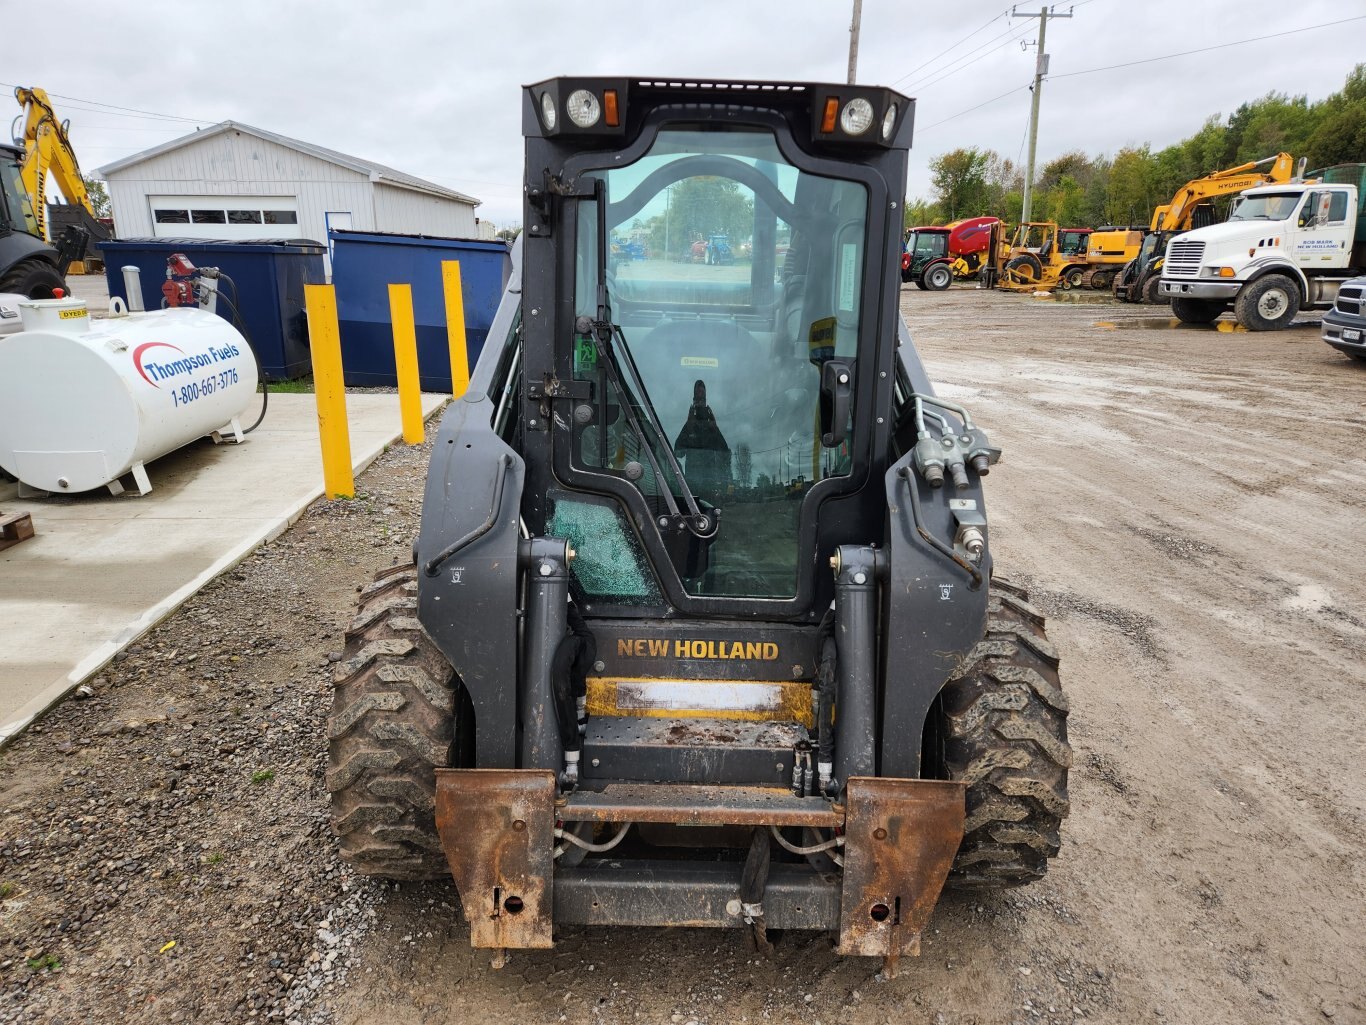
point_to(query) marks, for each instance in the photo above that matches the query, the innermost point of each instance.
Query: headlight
(548, 114)
(857, 116)
(888, 123)
(584, 108)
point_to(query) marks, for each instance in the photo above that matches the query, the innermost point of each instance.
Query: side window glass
(1337, 207)
(1309, 211)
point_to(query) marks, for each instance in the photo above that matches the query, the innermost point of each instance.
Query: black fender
(935, 608)
(18, 246)
(467, 599)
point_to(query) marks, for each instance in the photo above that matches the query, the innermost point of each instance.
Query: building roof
(377, 172)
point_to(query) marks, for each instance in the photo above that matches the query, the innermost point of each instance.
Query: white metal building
(233, 181)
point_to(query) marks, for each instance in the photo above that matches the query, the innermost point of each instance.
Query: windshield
(930, 244)
(1267, 206)
(734, 277)
(15, 198)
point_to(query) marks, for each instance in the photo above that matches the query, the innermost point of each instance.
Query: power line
(955, 68)
(1207, 49)
(979, 106)
(957, 62)
(950, 49)
(112, 107)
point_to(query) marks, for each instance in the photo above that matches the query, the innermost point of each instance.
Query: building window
(173, 216)
(244, 216)
(281, 217)
(207, 217)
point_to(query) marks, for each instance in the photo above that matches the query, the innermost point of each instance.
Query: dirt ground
(1184, 503)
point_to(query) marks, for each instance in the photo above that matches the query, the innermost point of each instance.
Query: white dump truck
(1284, 248)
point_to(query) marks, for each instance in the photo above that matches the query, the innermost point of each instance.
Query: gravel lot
(1184, 503)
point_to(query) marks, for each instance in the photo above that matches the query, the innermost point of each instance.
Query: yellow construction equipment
(1039, 256)
(1108, 249)
(1192, 206)
(48, 151)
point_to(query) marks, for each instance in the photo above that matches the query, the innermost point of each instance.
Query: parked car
(1344, 326)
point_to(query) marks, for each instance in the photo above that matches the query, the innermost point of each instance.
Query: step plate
(690, 750)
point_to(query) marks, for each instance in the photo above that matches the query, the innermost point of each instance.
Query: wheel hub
(1272, 303)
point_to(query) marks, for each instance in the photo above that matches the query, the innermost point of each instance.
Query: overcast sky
(432, 88)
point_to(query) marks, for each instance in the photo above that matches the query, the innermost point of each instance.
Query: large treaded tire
(1197, 311)
(33, 278)
(1268, 304)
(1005, 734)
(392, 725)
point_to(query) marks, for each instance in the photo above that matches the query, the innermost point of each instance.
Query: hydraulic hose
(240, 324)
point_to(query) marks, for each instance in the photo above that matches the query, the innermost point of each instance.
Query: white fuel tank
(83, 402)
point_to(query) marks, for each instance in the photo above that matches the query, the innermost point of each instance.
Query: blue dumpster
(270, 275)
(366, 263)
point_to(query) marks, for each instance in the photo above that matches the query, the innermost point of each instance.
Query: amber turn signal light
(832, 109)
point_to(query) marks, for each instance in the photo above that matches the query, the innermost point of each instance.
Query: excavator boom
(1178, 214)
(47, 151)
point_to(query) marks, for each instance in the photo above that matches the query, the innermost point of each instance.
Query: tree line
(1079, 190)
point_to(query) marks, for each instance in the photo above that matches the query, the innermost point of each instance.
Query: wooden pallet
(14, 527)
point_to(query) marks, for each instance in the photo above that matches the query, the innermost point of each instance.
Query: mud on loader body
(701, 627)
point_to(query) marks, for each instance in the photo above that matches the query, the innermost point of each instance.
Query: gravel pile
(165, 852)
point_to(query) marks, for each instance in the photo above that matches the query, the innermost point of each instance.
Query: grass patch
(7, 889)
(262, 776)
(214, 858)
(298, 386)
(48, 962)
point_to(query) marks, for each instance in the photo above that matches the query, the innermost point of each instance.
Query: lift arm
(1178, 214)
(47, 149)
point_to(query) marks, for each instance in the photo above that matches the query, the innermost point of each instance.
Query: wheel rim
(939, 277)
(1272, 303)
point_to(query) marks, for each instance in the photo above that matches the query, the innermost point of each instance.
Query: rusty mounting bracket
(497, 828)
(901, 837)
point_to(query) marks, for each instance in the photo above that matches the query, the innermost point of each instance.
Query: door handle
(837, 390)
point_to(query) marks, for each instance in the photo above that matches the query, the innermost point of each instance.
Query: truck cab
(1284, 248)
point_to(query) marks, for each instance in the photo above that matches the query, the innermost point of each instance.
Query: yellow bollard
(405, 362)
(329, 389)
(455, 326)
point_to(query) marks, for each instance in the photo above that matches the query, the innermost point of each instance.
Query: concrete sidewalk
(102, 570)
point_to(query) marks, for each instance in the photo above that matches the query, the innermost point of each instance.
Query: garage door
(225, 216)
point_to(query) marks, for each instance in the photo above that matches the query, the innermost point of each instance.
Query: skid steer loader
(701, 627)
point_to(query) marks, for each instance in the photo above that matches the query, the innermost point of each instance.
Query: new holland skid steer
(701, 627)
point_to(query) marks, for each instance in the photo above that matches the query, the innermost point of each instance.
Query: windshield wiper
(636, 399)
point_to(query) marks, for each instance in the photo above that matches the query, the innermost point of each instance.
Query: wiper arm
(636, 400)
(636, 404)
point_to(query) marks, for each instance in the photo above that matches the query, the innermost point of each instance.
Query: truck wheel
(1074, 276)
(1268, 304)
(1151, 295)
(938, 277)
(1004, 730)
(33, 278)
(1196, 311)
(393, 724)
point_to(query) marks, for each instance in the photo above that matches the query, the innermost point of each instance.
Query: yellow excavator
(1192, 206)
(48, 151)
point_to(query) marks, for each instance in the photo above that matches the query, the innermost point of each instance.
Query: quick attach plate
(901, 837)
(497, 828)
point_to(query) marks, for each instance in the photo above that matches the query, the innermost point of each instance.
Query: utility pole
(1040, 70)
(853, 40)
